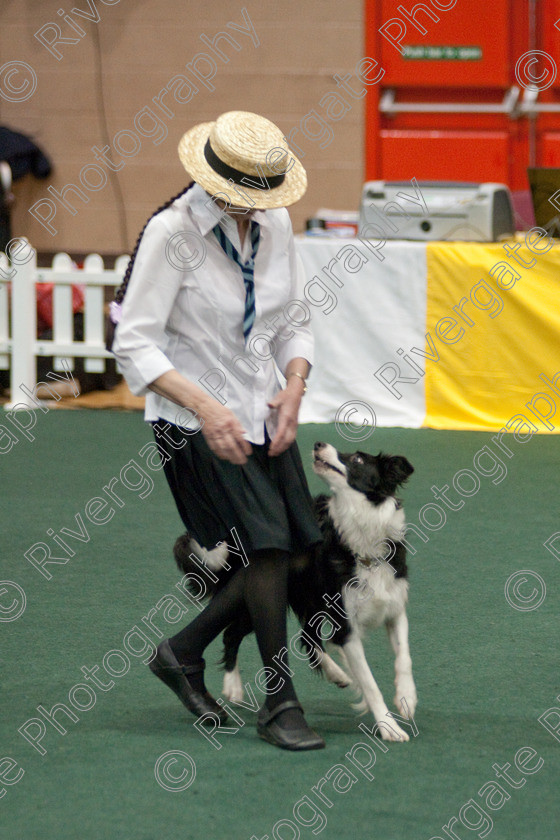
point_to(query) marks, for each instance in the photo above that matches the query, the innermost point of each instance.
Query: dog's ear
(402, 468)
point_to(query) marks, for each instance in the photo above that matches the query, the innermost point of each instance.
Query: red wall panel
(463, 145)
(550, 149)
(469, 24)
(453, 156)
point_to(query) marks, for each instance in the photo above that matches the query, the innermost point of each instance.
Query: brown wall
(105, 79)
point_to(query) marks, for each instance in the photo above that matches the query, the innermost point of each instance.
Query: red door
(471, 91)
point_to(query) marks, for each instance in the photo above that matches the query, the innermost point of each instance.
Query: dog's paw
(233, 687)
(391, 731)
(405, 698)
(360, 706)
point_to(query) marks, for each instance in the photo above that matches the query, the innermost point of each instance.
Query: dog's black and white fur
(355, 580)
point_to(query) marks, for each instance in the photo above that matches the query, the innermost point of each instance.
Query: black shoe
(167, 668)
(303, 738)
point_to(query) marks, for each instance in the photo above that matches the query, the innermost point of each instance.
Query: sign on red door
(471, 90)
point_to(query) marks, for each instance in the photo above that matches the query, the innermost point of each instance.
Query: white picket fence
(19, 345)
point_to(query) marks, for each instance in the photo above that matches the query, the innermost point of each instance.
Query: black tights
(261, 588)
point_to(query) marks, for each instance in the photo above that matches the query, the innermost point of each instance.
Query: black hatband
(236, 175)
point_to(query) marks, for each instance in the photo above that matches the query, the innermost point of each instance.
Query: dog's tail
(192, 559)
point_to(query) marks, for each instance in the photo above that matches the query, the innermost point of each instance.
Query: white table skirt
(376, 308)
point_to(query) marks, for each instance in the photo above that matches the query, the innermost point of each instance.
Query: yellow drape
(492, 370)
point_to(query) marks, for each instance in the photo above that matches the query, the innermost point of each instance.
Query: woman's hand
(287, 404)
(224, 433)
(221, 429)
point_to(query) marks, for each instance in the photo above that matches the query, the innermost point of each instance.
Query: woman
(208, 333)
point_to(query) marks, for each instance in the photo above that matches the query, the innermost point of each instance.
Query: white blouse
(184, 309)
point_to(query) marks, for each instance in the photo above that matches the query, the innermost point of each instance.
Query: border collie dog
(355, 580)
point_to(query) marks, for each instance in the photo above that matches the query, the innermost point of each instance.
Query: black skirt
(266, 500)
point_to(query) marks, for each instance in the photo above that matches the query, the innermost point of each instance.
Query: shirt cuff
(140, 371)
(294, 348)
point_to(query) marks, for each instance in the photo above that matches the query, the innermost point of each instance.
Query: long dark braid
(121, 290)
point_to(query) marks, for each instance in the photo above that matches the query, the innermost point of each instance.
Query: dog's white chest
(364, 528)
(374, 596)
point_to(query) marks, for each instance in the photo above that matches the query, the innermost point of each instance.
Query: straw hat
(239, 149)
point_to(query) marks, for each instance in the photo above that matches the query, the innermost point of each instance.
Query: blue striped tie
(247, 269)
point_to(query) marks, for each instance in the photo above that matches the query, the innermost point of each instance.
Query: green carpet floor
(486, 671)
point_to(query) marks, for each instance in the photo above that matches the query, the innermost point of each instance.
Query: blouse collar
(206, 214)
